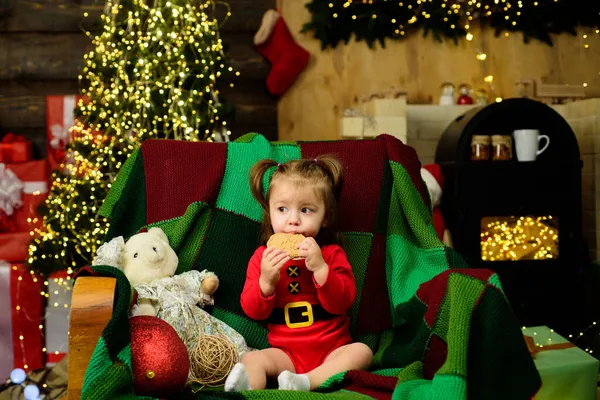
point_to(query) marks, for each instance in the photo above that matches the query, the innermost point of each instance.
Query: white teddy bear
(149, 263)
(147, 259)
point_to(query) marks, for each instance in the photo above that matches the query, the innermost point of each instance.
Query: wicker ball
(211, 360)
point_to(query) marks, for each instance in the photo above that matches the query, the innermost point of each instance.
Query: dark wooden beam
(60, 55)
(24, 112)
(243, 56)
(248, 91)
(246, 15)
(42, 56)
(11, 89)
(28, 111)
(52, 16)
(67, 15)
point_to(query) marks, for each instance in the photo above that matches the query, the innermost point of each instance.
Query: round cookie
(286, 241)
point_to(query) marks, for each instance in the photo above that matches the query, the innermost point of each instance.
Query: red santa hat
(434, 180)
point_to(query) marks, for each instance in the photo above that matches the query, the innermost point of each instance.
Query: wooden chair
(91, 309)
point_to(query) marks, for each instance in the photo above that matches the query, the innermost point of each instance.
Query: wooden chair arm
(91, 309)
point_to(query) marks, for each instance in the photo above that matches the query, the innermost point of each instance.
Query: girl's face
(295, 208)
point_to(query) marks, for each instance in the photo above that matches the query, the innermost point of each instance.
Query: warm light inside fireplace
(510, 238)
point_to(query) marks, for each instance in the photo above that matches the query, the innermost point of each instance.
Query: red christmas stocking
(275, 42)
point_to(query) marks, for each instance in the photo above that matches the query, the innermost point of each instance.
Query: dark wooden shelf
(514, 164)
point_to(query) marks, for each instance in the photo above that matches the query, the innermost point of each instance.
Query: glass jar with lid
(501, 147)
(480, 147)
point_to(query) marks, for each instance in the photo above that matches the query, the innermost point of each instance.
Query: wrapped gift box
(15, 150)
(367, 127)
(36, 172)
(567, 373)
(386, 107)
(26, 218)
(60, 118)
(21, 315)
(34, 178)
(57, 316)
(379, 113)
(6, 348)
(14, 246)
(34, 317)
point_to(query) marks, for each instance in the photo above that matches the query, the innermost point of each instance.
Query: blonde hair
(324, 173)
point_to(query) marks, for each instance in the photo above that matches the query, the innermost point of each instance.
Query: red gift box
(14, 246)
(27, 306)
(15, 148)
(5, 153)
(60, 118)
(25, 218)
(34, 314)
(31, 171)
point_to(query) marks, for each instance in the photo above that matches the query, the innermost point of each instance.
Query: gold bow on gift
(534, 348)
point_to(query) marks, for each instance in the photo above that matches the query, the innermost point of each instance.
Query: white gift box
(58, 311)
(568, 373)
(388, 107)
(375, 116)
(366, 127)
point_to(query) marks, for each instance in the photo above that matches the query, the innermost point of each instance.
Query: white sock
(237, 380)
(289, 381)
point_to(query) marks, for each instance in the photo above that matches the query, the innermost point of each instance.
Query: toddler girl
(304, 300)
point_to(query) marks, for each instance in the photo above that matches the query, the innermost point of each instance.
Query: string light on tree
(153, 73)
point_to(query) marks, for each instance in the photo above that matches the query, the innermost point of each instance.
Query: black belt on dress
(299, 314)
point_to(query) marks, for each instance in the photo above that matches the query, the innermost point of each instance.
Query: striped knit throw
(439, 330)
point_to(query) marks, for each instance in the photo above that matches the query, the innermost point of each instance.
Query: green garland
(335, 21)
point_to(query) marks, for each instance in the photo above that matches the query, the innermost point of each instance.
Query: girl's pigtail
(257, 174)
(335, 170)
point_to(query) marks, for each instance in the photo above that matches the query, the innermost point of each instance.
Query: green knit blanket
(439, 330)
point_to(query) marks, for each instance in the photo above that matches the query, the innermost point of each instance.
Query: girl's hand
(310, 250)
(270, 269)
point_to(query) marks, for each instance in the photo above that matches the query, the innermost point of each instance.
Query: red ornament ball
(160, 360)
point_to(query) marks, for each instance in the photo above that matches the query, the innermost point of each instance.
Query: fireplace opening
(512, 238)
(520, 219)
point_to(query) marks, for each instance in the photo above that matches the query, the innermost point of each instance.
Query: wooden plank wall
(42, 43)
(338, 79)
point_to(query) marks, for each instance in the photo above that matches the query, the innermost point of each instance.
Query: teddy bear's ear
(159, 232)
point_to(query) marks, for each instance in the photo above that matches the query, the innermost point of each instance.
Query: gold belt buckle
(308, 313)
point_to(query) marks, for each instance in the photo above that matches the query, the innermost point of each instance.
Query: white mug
(527, 144)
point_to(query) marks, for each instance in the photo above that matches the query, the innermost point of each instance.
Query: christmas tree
(153, 72)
